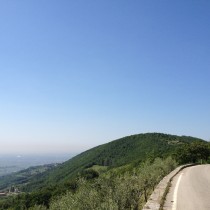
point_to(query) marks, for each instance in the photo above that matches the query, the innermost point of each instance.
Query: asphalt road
(190, 190)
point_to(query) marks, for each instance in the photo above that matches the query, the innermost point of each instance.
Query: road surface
(190, 190)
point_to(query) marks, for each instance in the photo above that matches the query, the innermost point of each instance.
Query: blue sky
(76, 74)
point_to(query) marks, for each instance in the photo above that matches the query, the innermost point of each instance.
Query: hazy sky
(75, 74)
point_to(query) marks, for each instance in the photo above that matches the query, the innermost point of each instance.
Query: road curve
(190, 190)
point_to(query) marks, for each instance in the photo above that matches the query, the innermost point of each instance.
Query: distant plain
(14, 163)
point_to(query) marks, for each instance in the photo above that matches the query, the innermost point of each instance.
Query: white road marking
(175, 193)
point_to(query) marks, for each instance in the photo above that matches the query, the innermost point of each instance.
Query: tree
(193, 153)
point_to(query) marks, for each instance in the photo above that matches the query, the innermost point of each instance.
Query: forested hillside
(128, 161)
(135, 148)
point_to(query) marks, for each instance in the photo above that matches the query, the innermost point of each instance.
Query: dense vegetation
(116, 175)
(192, 153)
(116, 190)
(135, 148)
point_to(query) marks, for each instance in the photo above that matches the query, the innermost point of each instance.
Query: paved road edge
(157, 198)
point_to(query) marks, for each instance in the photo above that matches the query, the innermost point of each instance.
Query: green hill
(134, 148)
(114, 165)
